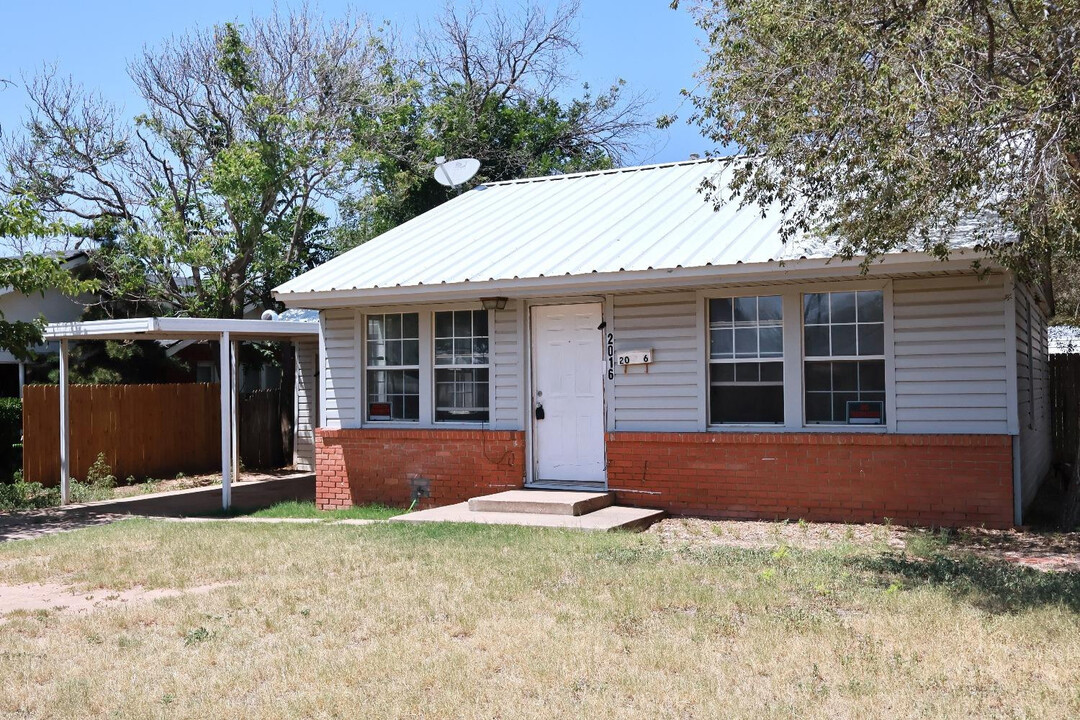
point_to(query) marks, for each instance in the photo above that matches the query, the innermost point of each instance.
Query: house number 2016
(610, 356)
(639, 359)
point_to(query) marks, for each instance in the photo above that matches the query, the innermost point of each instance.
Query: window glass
(393, 366)
(461, 366)
(746, 369)
(844, 361)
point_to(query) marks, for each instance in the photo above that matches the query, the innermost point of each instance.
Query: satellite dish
(455, 172)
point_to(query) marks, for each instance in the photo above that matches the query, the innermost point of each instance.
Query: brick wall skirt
(940, 480)
(361, 466)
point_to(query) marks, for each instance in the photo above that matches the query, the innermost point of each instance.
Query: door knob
(539, 411)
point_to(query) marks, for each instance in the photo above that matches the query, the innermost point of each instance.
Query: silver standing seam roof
(637, 218)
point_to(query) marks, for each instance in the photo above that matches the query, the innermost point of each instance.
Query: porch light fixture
(493, 303)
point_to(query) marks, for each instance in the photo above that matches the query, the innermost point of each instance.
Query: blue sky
(644, 42)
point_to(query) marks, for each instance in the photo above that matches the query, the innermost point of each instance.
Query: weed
(196, 636)
(21, 495)
(99, 475)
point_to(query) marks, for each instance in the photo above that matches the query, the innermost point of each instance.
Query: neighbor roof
(637, 218)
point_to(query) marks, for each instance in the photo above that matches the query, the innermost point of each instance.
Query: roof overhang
(642, 280)
(155, 328)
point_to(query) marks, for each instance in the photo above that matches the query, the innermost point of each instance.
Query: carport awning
(168, 328)
(226, 332)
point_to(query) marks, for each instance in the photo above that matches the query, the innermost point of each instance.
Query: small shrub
(99, 475)
(21, 495)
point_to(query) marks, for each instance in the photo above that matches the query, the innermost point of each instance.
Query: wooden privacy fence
(260, 430)
(1065, 405)
(144, 430)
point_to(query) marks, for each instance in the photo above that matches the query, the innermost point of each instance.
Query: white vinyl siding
(1033, 394)
(948, 342)
(951, 367)
(306, 411)
(341, 367)
(670, 397)
(508, 369)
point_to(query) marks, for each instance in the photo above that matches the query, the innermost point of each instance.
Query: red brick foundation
(940, 480)
(360, 466)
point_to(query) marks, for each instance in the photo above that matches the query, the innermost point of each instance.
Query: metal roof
(155, 328)
(630, 219)
(650, 226)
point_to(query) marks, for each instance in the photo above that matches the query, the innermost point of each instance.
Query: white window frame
(843, 358)
(710, 361)
(486, 366)
(365, 368)
(427, 367)
(791, 299)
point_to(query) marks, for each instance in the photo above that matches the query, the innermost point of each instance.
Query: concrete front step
(613, 517)
(542, 502)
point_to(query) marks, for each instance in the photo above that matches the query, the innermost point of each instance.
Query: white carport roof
(227, 332)
(649, 226)
(169, 328)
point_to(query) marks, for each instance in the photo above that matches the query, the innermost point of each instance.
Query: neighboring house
(53, 305)
(1064, 340)
(610, 330)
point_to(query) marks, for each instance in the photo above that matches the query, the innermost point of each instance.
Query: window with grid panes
(843, 353)
(393, 366)
(461, 366)
(746, 360)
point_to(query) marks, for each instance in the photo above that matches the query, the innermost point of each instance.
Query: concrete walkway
(247, 496)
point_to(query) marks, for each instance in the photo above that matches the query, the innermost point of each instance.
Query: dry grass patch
(441, 621)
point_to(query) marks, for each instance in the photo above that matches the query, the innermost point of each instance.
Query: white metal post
(234, 380)
(65, 420)
(22, 378)
(225, 373)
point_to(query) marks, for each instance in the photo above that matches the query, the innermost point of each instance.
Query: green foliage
(19, 495)
(483, 87)
(256, 138)
(30, 273)
(99, 474)
(912, 125)
(10, 436)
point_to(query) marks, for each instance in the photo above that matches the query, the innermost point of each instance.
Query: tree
(30, 273)
(219, 190)
(886, 125)
(484, 83)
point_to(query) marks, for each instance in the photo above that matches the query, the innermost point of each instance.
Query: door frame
(529, 361)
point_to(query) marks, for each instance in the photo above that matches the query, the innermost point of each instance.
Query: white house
(53, 305)
(612, 330)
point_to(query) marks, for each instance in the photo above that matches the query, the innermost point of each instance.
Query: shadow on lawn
(994, 586)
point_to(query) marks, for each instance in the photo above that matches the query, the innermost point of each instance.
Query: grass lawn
(400, 620)
(307, 509)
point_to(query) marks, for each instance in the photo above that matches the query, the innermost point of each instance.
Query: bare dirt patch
(31, 597)
(764, 534)
(1050, 551)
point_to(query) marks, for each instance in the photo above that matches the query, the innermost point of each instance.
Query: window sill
(806, 429)
(417, 425)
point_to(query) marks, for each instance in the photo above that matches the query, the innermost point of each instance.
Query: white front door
(568, 392)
